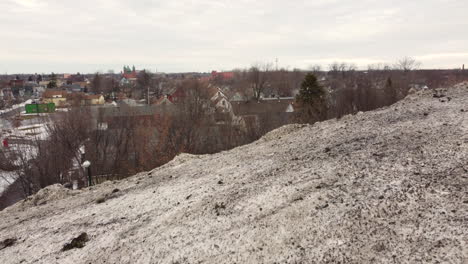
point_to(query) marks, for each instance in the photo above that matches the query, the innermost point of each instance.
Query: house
(58, 97)
(264, 106)
(6, 93)
(178, 95)
(129, 76)
(83, 84)
(224, 76)
(44, 83)
(72, 88)
(238, 97)
(38, 91)
(128, 102)
(29, 88)
(16, 83)
(74, 78)
(124, 81)
(94, 99)
(219, 99)
(85, 99)
(267, 114)
(164, 100)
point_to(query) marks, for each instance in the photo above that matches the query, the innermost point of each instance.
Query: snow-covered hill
(387, 186)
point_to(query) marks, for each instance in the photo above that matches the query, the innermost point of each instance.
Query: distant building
(74, 78)
(219, 100)
(58, 97)
(16, 83)
(128, 73)
(6, 93)
(164, 100)
(222, 75)
(97, 99)
(72, 88)
(266, 114)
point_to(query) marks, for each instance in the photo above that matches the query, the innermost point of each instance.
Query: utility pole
(276, 64)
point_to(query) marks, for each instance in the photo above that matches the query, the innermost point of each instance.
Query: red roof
(54, 93)
(130, 75)
(16, 82)
(178, 93)
(164, 98)
(222, 75)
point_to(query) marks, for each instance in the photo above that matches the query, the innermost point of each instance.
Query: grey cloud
(90, 35)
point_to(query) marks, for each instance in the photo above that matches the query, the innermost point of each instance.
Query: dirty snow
(387, 186)
(6, 178)
(16, 106)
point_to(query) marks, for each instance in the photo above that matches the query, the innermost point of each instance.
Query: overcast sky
(204, 35)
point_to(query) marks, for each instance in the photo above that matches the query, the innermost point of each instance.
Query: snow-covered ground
(28, 152)
(21, 139)
(29, 132)
(6, 178)
(387, 186)
(16, 106)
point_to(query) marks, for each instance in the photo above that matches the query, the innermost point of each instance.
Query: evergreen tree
(96, 84)
(53, 81)
(390, 92)
(311, 99)
(52, 84)
(310, 90)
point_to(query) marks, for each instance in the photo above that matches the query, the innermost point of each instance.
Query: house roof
(222, 75)
(51, 93)
(93, 96)
(130, 75)
(144, 110)
(75, 78)
(164, 100)
(263, 106)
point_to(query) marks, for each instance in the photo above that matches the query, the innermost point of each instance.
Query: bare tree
(407, 64)
(258, 77)
(315, 69)
(379, 67)
(341, 68)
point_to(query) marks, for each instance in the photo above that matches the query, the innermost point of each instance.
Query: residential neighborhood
(179, 132)
(135, 120)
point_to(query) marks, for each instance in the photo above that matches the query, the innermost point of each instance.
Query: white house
(221, 101)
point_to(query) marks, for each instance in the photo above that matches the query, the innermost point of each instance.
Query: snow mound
(183, 158)
(48, 194)
(282, 131)
(385, 186)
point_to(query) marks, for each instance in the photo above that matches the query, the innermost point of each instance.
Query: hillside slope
(379, 187)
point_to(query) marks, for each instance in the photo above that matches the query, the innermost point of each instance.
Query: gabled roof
(164, 100)
(54, 93)
(222, 75)
(93, 96)
(253, 107)
(130, 75)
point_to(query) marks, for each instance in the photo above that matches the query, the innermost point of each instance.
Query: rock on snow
(387, 186)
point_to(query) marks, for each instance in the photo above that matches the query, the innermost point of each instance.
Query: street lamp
(87, 165)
